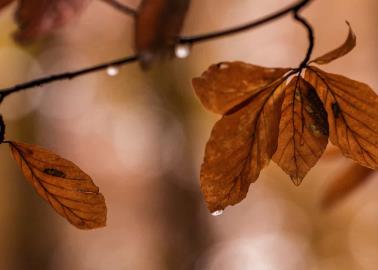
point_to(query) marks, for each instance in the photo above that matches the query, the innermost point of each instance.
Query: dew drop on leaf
(217, 213)
(182, 51)
(112, 71)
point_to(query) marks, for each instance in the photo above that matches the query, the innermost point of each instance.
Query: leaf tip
(342, 50)
(297, 180)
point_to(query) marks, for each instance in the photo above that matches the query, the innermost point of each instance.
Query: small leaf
(39, 17)
(62, 184)
(226, 85)
(303, 133)
(240, 146)
(157, 27)
(347, 182)
(354, 124)
(345, 48)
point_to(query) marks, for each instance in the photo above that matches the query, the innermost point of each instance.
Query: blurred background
(141, 136)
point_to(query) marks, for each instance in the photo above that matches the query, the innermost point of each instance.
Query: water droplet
(217, 213)
(112, 71)
(223, 66)
(182, 50)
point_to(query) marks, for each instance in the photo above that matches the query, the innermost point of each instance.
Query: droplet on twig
(112, 71)
(182, 51)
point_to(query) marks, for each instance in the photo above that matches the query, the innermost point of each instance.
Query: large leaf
(303, 133)
(240, 146)
(345, 48)
(157, 27)
(345, 183)
(62, 184)
(37, 18)
(352, 109)
(226, 85)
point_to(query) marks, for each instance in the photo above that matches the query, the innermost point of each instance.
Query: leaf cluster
(285, 115)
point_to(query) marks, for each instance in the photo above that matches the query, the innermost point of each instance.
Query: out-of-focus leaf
(226, 85)
(344, 184)
(37, 18)
(157, 27)
(4, 3)
(352, 109)
(303, 133)
(240, 146)
(345, 48)
(62, 184)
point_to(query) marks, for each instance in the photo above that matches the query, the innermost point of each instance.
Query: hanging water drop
(112, 71)
(182, 51)
(217, 213)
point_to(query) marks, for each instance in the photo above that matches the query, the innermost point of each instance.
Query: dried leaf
(39, 17)
(228, 84)
(240, 146)
(347, 182)
(345, 48)
(4, 3)
(157, 27)
(352, 109)
(303, 133)
(62, 184)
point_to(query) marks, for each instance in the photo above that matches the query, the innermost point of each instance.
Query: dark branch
(121, 7)
(310, 32)
(66, 76)
(295, 8)
(205, 37)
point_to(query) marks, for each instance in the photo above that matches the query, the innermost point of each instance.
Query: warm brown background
(141, 137)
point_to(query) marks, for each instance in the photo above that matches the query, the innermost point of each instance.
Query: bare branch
(223, 33)
(65, 76)
(295, 8)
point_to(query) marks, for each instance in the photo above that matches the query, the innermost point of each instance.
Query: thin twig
(295, 8)
(122, 7)
(66, 76)
(219, 34)
(310, 32)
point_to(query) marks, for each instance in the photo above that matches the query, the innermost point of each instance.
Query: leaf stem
(121, 7)
(310, 33)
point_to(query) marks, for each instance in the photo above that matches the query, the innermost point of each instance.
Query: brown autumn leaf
(347, 182)
(303, 133)
(4, 3)
(225, 85)
(318, 107)
(157, 27)
(352, 109)
(240, 146)
(39, 17)
(345, 48)
(62, 184)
